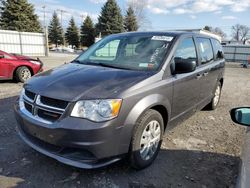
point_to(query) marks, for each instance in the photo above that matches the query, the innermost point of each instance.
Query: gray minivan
(119, 97)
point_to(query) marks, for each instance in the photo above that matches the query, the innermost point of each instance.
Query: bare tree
(244, 33)
(236, 32)
(219, 31)
(240, 32)
(139, 7)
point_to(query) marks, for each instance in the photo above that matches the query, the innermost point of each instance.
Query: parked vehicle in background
(62, 49)
(21, 68)
(120, 96)
(242, 116)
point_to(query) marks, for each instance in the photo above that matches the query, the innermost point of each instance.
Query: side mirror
(1, 56)
(220, 55)
(241, 115)
(181, 66)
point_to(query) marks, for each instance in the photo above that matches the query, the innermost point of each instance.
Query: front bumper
(73, 141)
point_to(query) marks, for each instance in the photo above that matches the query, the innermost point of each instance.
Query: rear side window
(218, 51)
(206, 50)
(186, 50)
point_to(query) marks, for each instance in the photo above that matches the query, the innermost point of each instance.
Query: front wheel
(146, 140)
(23, 74)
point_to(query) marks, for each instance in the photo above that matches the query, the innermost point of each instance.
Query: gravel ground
(201, 152)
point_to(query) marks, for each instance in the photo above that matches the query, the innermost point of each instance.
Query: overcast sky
(163, 14)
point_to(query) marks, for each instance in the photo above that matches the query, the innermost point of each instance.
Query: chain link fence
(237, 53)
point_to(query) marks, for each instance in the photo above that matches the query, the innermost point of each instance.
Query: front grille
(30, 95)
(43, 108)
(51, 116)
(28, 107)
(54, 102)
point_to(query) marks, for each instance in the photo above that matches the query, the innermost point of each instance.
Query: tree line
(19, 15)
(109, 22)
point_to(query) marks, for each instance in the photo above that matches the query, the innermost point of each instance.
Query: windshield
(133, 52)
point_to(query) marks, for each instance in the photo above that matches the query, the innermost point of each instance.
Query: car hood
(72, 82)
(22, 57)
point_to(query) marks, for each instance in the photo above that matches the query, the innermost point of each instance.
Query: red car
(21, 68)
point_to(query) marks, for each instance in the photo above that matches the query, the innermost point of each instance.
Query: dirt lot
(201, 152)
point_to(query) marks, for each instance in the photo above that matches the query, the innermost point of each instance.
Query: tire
(23, 74)
(216, 99)
(141, 156)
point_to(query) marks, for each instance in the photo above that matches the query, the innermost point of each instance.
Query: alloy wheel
(25, 74)
(150, 140)
(217, 95)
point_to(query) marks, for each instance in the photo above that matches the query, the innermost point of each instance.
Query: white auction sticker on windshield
(163, 38)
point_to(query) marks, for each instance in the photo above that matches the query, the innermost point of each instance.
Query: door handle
(205, 73)
(198, 76)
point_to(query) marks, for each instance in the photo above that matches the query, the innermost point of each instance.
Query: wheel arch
(156, 102)
(164, 113)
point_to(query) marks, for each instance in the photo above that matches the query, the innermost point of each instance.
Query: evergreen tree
(87, 32)
(110, 21)
(130, 21)
(208, 28)
(72, 33)
(55, 31)
(19, 15)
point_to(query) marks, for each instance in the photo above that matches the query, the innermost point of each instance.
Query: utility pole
(62, 11)
(44, 16)
(45, 31)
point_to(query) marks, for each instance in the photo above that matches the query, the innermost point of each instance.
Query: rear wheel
(146, 140)
(23, 74)
(216, 99)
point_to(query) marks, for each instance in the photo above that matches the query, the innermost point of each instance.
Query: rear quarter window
(218, 50)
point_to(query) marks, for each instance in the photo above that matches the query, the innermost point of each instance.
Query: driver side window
(186, 50)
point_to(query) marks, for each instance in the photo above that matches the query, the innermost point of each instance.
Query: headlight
(97, 110)
(35, 62)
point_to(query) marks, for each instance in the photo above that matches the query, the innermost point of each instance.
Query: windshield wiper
(112, 66)
(100, 64)
(76, 61)
(84, 62)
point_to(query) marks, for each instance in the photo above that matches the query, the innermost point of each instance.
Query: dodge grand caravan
(119, 97)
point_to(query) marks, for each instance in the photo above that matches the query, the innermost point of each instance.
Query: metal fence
(237, 53)
(25, 43)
